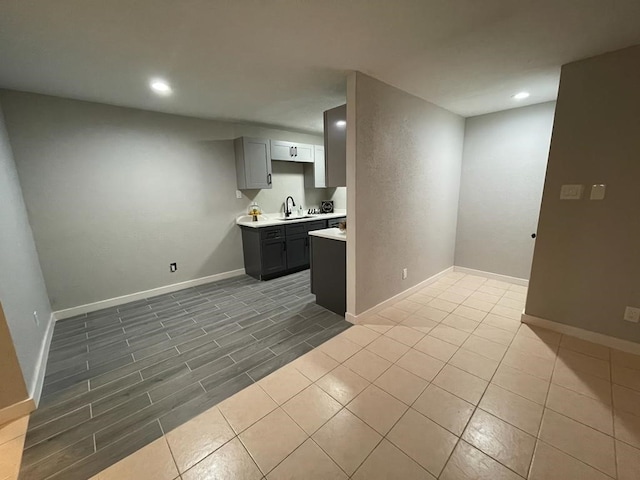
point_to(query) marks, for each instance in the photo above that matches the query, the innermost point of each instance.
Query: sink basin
(296, 218)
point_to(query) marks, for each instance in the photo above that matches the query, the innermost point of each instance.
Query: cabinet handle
(268, 178)
(296, 151)
(291, 151)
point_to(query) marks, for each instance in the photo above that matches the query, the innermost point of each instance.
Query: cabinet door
(282, 150)
(291, 151)
(314, 173)
(253, 163)
(303, 152)
(335, 146)
(297, 251)
(319, 167)
(274, 256)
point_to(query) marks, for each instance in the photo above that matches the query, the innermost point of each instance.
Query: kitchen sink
(296, 218)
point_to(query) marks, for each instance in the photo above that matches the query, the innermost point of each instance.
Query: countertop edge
(330, 233)
(274, 222)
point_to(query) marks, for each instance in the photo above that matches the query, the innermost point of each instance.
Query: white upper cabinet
(253, 163)
(314, 174)
(291, 151)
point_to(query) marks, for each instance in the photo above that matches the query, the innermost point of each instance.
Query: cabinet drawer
(317, 225)
(296, 228)
(333, 222)
(270, 233)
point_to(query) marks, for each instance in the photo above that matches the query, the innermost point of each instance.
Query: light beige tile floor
(12, 437)
(447, 383)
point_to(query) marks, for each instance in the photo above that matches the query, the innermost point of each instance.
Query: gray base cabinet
(297, 251)
(270, 252)
(329, 273)
(273, 256)
(334, 222)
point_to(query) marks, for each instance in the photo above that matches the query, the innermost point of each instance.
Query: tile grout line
(613, 416)
(557, 348)
(476, 407)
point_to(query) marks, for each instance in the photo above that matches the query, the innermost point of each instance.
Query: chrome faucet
(287, 209)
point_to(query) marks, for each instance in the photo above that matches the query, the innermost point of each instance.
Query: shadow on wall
(218, 173)
(230, 242)
(218, 176)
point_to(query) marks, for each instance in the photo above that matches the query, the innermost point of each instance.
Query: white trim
(41, 366)
(494, 276)
(390, 301)
(599, 338)
(16, 410)
(132, 297)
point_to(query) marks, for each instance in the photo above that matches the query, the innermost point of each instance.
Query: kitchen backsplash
(288, 179)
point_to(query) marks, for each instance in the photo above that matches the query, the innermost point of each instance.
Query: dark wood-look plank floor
(119, 378)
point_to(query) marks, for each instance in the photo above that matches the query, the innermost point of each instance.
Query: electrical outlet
(571, 192)
(173, 267)
(404, 273)
(36, 319)
(238, 194)
(632, 314)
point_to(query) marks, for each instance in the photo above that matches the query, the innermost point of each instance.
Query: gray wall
(587, 255)
(503, 166)
(116, 194)
(22, 288)
(406, 173)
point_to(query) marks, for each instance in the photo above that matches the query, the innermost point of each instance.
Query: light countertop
(271, 219)
(330, 233)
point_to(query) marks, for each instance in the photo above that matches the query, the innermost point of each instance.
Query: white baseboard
(599, 338)
(35, 389)
(355, 319)
(113, 302)
(494, 276)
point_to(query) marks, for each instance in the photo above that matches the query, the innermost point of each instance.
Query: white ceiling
(283, 62)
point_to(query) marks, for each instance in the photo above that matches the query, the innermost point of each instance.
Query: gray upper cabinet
(291, 151)
(314, 174)
(253, 163)
(335, 146)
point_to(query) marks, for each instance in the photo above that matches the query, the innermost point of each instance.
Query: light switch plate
(597, 192)
(238, 194)
(571, 192)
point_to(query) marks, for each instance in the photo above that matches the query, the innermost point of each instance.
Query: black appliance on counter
(326, 206)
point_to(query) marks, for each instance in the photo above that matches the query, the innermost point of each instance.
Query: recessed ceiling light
(161, 87)
(521, 95)
(341, 123)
